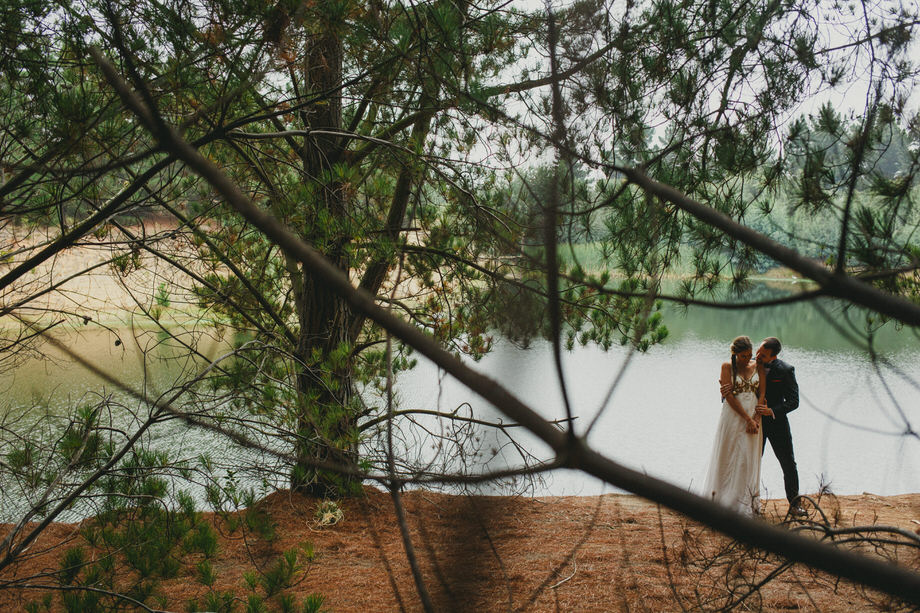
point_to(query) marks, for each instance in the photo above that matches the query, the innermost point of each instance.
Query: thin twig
(574, 571)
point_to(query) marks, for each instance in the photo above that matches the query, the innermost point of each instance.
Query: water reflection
(149, 361)
(821, 325)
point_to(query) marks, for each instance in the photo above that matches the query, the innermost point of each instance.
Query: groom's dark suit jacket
(782, 390)
(782, 394)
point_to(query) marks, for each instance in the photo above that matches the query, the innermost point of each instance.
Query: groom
(782, 397)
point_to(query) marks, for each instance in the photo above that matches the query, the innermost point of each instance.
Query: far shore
(92, 292)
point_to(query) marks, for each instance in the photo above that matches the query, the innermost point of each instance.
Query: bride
(733, 479)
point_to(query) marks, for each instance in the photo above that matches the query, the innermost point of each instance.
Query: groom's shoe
(797, 511)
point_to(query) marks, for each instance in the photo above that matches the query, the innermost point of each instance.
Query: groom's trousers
(777, 430)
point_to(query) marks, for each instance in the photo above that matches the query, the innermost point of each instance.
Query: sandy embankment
(84, 281)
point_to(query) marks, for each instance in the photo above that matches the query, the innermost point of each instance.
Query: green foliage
(81, 443)
(220, 602)
(162, 295)
(38, 606)
(255, 604)
(206, 574)
(81, 602)
(131, 549)
(257, 520)
(350, 198)
(46, 455)
(312, 603)
(20, 460)
(267, 586)
(251, 578)
(279, 575)
(71, 565)
(136, 541)
(286, 603)
(202, 539)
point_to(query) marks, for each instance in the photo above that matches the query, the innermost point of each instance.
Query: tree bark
(326, 423)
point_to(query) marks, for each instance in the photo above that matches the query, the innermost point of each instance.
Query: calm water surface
(850, 432)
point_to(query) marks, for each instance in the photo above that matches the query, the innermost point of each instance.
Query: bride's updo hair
(742, 343)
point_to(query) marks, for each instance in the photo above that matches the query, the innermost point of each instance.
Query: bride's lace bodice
(743, 385)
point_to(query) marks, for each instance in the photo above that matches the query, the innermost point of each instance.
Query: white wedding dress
(733, 479)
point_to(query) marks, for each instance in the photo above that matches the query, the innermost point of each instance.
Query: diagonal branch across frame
(573, 452)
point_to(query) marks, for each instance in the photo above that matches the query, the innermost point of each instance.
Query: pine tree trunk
(326, 420)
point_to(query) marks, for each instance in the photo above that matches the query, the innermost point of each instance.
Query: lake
(850, 432)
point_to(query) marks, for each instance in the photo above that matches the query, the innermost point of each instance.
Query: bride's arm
(726, 378)
(762, 408)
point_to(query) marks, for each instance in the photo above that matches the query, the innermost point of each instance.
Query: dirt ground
(605, 553)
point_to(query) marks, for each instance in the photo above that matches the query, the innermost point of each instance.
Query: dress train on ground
(733, 479)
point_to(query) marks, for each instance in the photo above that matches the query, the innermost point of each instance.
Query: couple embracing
(758, 392)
